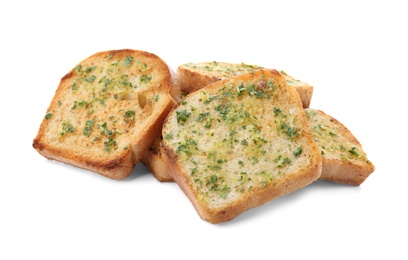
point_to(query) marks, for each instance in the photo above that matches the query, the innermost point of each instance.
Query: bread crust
(107, 111)
(157, 162)
(193, 80)
(254, 199)
(257, 196)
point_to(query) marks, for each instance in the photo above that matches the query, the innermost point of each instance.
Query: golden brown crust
(107, 111)
(345, 172)
(157, 162)
(305, 93)
(251, 200)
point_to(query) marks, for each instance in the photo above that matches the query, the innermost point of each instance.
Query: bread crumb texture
(239, 138)
(225, 70)
(334, 140)
(101, 103)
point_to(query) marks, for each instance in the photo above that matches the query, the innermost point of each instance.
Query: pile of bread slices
(232, 136)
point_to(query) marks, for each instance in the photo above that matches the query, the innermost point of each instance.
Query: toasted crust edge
(257, 198)
(345, 172)
(158, 163)
(191, 80)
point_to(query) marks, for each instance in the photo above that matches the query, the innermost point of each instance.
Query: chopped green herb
(88, 127)
(297, 152)
(109, 144)
(354, 151)
(291, 132)
(201, 116)
(127, 61)
(216, 167)
(168, 136)
(182, 115)
(210, 99)
(279, 162)
(156, 98)
(183, 148)
(67, 128)
(130, 113)
(78, 68)
(91, 78)
(145, 78)
(109, 57)
(193, 171)
(332, 133)
(48, 115)
(89, 69)
(107, 82)
(241, 88)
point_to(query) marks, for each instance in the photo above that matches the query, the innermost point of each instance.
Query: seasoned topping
(226, 129)
(48, 115)
(330, 140)
(114, 87)
(66, 128)
(224, 69)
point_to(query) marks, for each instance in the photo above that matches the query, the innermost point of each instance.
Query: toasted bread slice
(239, 143)
(343, 158)
(107, 111)
(194, 76)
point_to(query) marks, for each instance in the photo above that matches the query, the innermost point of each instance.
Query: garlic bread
(239, 143)
(107, 111)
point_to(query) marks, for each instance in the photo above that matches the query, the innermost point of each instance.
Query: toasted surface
(239, 143)
(107, 111)
(344, 160)
(194, 76)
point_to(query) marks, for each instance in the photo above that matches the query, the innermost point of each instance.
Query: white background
(353, 52)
